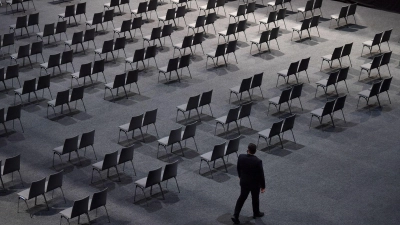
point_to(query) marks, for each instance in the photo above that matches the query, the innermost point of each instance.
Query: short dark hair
(252, 148)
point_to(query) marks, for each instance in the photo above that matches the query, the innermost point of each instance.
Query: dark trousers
(244, 193)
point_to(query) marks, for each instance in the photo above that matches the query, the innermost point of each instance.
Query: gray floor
(346, 174)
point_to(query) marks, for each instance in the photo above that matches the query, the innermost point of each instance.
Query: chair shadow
(219, 174)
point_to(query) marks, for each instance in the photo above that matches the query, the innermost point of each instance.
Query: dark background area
(389, 5)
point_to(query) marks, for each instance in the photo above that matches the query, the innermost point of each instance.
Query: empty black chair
(168, 17)
(206, 100)
(166, 32)
(325, 83)
(232, 116)
(386, 60)
(342, 14)
(69, 12)
(137, 24)
(257, 82)
(274, 5)
(152, 6)
(126, 155)
(110, 161)
(307, 8)
(99, 199)
(79, 208)
(21, 23)
(171, 171)
(296, 93)
(337, 52)
(274, 36)
(108, 47)
(200, 21)
(211, 18)
(375, 64)
(89, 36)
(217, 153)
(33, 20)
(61, 99)
(283, 98)
(245, 111)
(175, 136)
(119, 81)
(155, 35)
(343, 76)
(371, 43)
(97, 19)
(81, 9)
(351, 11)
(172, 66)
(346, 51)
(70, 145)
(153, 178)
(281, 16)
(288, 124)
(289, 72)
(77, 94)
(132, 77)
(13, 113)
(180, 13)
(14, 2)
(87, 139)
(8, 41)
(305, 25)
(373, 91)
(186, 43)
(241, 27)
(339, 105)
(11, 73)
(54, 61)
(120, 45)
(55, 181)
(150, 117)
(244, 86)
(231, 48)
(321, 112)
(385, 87)
(251, 8)
(304, 67)
(210, 5)
(219, 52)
(36, 49)
(314, 23)
(109, 17)
(11, 165)
(85, 71)
(258, 42)
(241, 11)
(317, 5)
(28, 87)
(113, 4)
(125, 27)
(67, 57)
(151, 52)
(136, 123)
(137, 57)
(48, 31)
(198, 40)
(142, 8)
(190, 132)
(23, 51)
(275, 130)
(192, 104)
(232, 147)
(43, 83)
(37, 188)
(228, 32)
(77, 38)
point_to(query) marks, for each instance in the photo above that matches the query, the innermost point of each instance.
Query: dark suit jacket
(250, 171)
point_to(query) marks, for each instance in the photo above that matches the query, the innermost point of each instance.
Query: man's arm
(261, 174)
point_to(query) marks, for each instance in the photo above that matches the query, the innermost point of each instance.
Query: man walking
(251, 175)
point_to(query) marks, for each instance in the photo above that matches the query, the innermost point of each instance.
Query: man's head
(252, 148)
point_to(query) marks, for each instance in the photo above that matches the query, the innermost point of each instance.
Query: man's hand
(262, 190)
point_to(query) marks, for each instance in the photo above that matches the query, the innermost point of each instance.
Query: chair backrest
(190, 131)
(70, 145)
(200, 21)
(48, 29)
(386, 58)
(175, 136)
(29, 86)
(231, 47)
(347, 49)
(309, 5)
(205, 98)
(343, 12)
(184, 61)
(69, 10)
(126, 154)
(328, 108)
(85, 70)
(33, 19)
(220, 3)
(155, 33)
(181, 11)
(98, 66)
(152, 6)
(211, 17)
(288, 123)
(2, 120)
(211, 4)
(296, 91)
(251, 7)
(233, 146)
(218, 151)
(89, 35)
(67, 57)
(377, 39)
(62, 97)
(142, 7)
(257, 80)
(37, 188)
(339, 105)
(54, 60)
(241, 10)
(23, 51)
(173, 64)
(241, 26)
(80, 207)
(304, 64)
(120, 43)
(138, 55)
(275, 129)
(87, 139)
(315, 21)
(332, 79)
(198, 38)
(170, 14)
(285, 96)
(193, 102)
(108, 15)
(231, 28)
(150, 117)
(264, 36)
(132, 77)
(154, 177)
(317, 4)
(110, 160)
(136, 122)
(352, 9)
(306, 24)
(343, 74)
(245, 110)
(108, 46)
(281, 14)
(375, 89)
(12, 164)
(8, 39)
(170, 171)
(233, 115)
(220, 50)
(137, 22)
(43, 82)
(81, 8)
(386, 84)
(99, 198)
(337, 53)
(126, 25)
(167, 30)
(114, 3)
(119, 80)
(55, 181)
(61, 27)
(22, 21)
(77, 37)
(293, 68)
(245, 85)
(376, 62)
(274, 33)
(97, 18)
(12, 71)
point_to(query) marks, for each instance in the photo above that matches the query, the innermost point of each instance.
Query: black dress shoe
(260, 214)
(235, 220)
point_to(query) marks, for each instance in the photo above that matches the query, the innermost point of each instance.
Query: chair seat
(263, 20)
(327, 57)
(12, 26)
(99, 50)
(75, 75)
(221, 119)
(182, 107)
(68, 42)
(367, 43)
(211, 54)
(14, 56)
(175, 1)
(129, 60)
(110, 85)
(366, 66)
(162, 18)
(255, 41)
(117, 30)
(89, 22)
(44, 65)
(274, 100)
(179, 45)
(301, 9)
(335, 16)
(58, 149)
(18, 91)
(141, 182)
(24, 194)
(365, 93)
(164, 140)
(134, 11)
(62, 15)
(234, 14)
(40, 34)
(147, 38)
(192, 25)
(283, 72)
(264, 133)
(323, 82)
(207, 156)
(235, 89)
(67, 212)
(297, 28)
(124, 127)
(98, 165)
(107, 5)
(271, 3)
(163, 69)
(317, 112)
(203, 7)
(223, 33)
